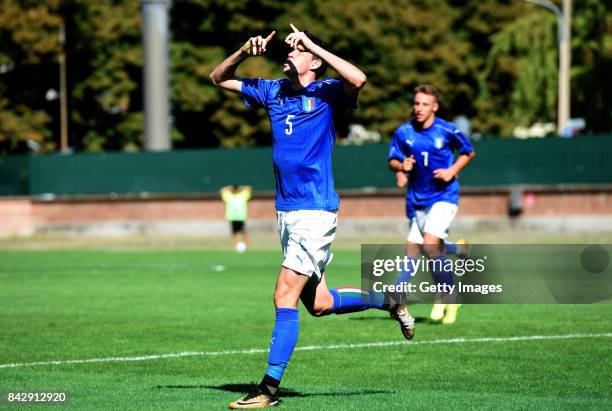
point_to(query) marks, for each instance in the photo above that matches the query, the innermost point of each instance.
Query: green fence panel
(501, 162)
(548, 161)
(180, 171)
(362, 167)
(14, 176)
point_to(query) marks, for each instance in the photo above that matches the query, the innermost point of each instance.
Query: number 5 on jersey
(289, 128)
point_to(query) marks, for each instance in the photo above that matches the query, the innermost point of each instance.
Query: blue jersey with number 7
(433, 148)
(303, 138)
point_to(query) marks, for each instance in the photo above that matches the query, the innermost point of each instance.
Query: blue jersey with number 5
(303, 138)
(433, 148)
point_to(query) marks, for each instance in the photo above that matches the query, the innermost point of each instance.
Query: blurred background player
(423, 148)
(458, 248)
(236, 199)
(301, 112)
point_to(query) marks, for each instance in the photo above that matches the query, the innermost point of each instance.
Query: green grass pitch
(88, 304)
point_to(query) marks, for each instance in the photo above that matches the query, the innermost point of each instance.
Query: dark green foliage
(494, 61)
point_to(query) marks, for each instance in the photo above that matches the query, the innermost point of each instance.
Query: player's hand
(401, 179)
(408, 164)
(299, 40)
(256, 46)
(444, 174)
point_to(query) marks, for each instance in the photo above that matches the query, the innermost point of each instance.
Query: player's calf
(321, 306)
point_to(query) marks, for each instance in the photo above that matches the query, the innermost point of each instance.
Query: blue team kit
(303, 136)
(433, 148)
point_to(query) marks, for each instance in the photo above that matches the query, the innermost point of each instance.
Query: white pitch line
(311, 348)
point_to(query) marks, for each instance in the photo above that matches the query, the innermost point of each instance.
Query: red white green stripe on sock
(352, 291)
(351, 300)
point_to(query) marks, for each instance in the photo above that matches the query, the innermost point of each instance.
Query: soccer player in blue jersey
(458, 248)
(301, 110)
(424, 149)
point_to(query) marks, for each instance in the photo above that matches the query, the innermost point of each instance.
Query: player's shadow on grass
(285, 392)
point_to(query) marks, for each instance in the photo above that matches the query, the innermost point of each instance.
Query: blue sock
(404, 276)
(353, 299)
(444, 275)
(284, 339)
(451, 248)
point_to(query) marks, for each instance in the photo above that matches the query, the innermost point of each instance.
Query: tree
(398, 44)
(204, 33)
(105, 74)
(523, 56)
(592, 64)
(29, 38)
(519, 83)
(493, 60)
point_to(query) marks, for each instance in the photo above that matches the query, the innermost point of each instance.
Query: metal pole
(155, 71)
(63, 92)
(564, 68)
(564, 34)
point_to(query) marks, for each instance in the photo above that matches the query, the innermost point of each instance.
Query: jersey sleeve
(255, 92)
(333, 92)
(247, 192)
(395, 147)
(460, 142)
(225, 195)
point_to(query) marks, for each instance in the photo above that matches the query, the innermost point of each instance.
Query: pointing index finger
(295, 29)
(270, 36)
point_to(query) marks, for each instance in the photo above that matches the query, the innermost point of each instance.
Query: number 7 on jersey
(425, 155)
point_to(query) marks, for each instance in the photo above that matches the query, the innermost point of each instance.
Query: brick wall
(22, 216)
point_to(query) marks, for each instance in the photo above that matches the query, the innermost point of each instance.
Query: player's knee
(431, 250)
(319, 310)
(322, 306)
(283, 297)
(279, 298)
(413, 250)
(318, 313)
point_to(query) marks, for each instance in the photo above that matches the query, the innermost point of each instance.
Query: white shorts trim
(306, 237)
(434, 220)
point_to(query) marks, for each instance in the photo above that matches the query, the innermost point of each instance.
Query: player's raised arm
(355, 78)
(224, 75)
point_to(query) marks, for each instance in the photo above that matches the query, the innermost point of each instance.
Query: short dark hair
(427, 89)
(316, 40)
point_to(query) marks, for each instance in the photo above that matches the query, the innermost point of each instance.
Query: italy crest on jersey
(439, 142)
(308, 104)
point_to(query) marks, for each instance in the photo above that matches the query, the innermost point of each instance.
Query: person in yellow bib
(236, 199)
